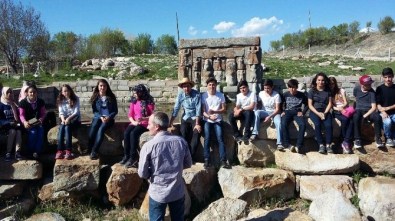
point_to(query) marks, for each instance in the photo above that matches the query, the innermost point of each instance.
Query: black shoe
(18, 156)
(206, 164)
(124, 160)
(245, 138)
(379, 143)
(131, 163)
(94, 156)
(8, 157)
(237, 138)
(225, 164)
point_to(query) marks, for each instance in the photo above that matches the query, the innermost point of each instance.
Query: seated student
(270, 111)
(141, 107)
(365, 109)
(9, 122)
(244, 110)
(295, 108)
(69, 113)
(32, 113)
(385, 96)
(320, 104)
(213, 103)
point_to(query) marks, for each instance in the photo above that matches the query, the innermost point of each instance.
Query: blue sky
(269, 19)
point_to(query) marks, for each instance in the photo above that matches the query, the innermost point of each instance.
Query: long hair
(109, 92)
(61, 97)
(314, 82)
(336, 88)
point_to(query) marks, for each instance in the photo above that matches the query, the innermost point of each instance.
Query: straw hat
(186, 80)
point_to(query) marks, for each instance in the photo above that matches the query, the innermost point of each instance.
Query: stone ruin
(228, 60)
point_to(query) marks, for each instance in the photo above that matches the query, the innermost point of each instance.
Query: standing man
(162, 161)
(189, 99)
(213, 108)
(385, 96)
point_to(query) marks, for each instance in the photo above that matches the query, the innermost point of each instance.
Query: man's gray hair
(162, 120)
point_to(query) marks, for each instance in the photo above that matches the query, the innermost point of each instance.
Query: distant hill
(371, 46)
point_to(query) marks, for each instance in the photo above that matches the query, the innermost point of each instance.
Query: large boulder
(258, 153)
(283, 214)
(22, 206)
(48, 216)
(224, 209)
(21, 170)
(11, 189)
(255, 184)
(377, 198)
(380, 161)
(200, 182)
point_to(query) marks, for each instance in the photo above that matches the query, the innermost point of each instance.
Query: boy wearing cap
(365, 109)
(213, 107)
(189, 99)
(385, 96)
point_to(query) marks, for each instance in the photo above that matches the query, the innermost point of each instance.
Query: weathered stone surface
(21, 207)
(258, 153)
(377, 197)
(286, 214)
(312, 187)
(48, 216)
(316, 163)
(224, 209)
(253, 184)
(144, 208)
(11, 189)
(377, 161)
(79, 174)
(46, 192)
(21, 170)
(200, 182)
(53, 138)
(333, 206)
(219, 42)
(123, 184)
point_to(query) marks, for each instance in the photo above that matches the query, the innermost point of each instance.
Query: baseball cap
(365, 80)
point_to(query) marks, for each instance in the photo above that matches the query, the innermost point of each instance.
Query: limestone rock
(285, 214)
(258, 153)
(123, 184)
(21, 170)
(200, 182)
(316, 163)
(11, 189)
(224, 209)
(312, 187)
(52, 137)
(79, 174)
(377, 197)
(46, 192)
(377, 161)
(253, 184)
(48, 216)
(333, 206)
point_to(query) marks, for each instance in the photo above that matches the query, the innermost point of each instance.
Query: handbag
(348, 111)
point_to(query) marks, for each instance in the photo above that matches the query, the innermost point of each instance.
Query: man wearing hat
(385, 96)
(189, 99)
(365, 110)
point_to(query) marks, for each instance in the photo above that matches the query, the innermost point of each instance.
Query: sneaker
(18, 156)
(124, 160)
(299, 149)
(68, 155)
(35, 155)
(293, 149)
(59, 155)
(131, 163)
(206, 164)
(8, 157)
(379, 143)
(329, 148)
(94, 156)
(357, 144)
(346, 147)
(280, 147)
(225, 164)
(322, 149)
(253, 137)
(390, 142)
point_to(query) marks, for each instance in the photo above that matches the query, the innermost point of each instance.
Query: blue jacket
(112, 108)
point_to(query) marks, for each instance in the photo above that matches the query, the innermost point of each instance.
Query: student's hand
(67, 121)
(210, 112)
(26, 125)
(384, 114)
(198, 128)
(322, 115)
(267, 119)
(300, 114)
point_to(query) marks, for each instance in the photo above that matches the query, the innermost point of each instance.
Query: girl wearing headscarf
(9, 121)
(141, 107)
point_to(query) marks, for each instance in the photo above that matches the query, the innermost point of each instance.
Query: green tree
(19, 26)
(39, 48)
(353, 29)
(166, 44)
(65, 45)
(142, 44)
(386, 25)
(112, 42)
(275, 45)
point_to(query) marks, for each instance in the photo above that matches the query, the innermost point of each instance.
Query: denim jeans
(131, 138)
(35, 139)
(247, 117)
(96, 133)
(327, 122)
(65, 133)
(261, 114)
(286, 120)
(357, 120)
(218, 132)
(157, 210)
(347, 126)
(387, 126)
(190, 135)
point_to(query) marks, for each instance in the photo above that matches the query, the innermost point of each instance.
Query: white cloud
(259, 27)
(223, 26)
(192, 30)
(204, 32)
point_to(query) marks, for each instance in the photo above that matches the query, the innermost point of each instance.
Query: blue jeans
(65, 132)
(35, 140)
(347, 127)
(286, 120)
(157, 210)
(261, 114)
(317, 128)
(387, 126)
(218, 132)
(96, 133)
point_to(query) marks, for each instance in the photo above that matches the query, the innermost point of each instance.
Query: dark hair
(143, 94)
(61, 97)
(109, 92)
(211, 79)
(293, 83)
(387, 71)
(336, 89)
(31, 86)
(161, 120)
(242, 83)
(314, 81)
(268, 82)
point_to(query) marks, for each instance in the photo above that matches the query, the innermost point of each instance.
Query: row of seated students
(325, 100)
